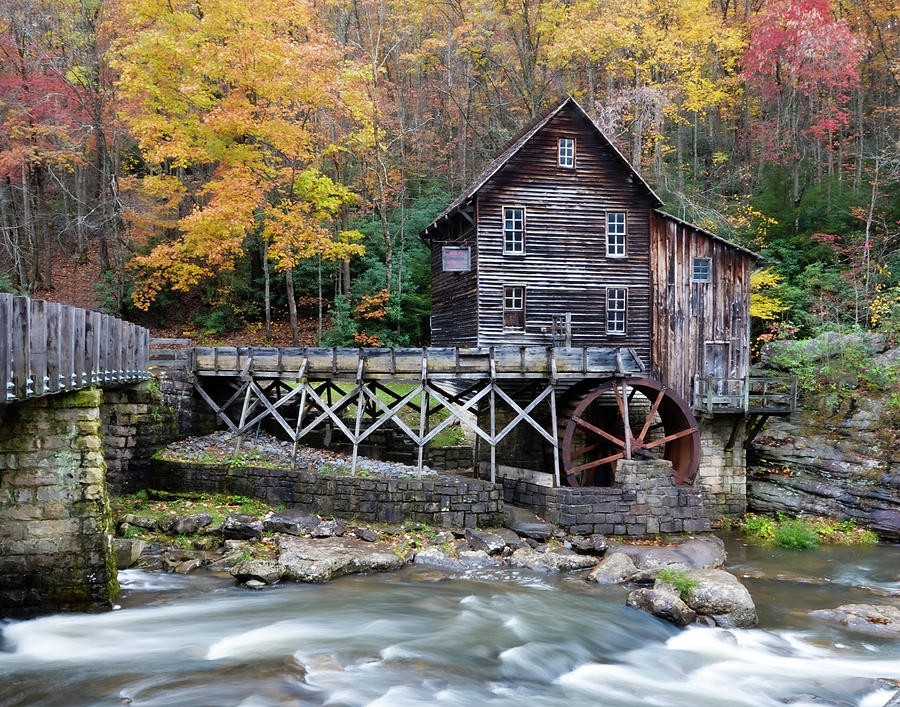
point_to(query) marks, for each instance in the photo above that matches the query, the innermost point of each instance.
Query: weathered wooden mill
(574, 327)
(561, 243)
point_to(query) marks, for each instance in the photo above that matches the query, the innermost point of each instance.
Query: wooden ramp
(349, 390)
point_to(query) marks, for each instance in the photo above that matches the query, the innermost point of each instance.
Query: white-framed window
(616, 310)
(701, 270)
(514, 307)
(514, 230)
(566, 152)
(615, 234)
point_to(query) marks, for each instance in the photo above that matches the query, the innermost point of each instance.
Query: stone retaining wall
(646, 502)
(444, 501)
(55, 527)
(139, 419)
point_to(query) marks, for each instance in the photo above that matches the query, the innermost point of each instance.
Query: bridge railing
(47, 348)
(755, 394)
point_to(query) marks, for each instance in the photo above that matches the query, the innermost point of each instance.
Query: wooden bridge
(48, 348)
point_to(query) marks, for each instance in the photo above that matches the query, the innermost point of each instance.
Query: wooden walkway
(48, 348)
(350, 391)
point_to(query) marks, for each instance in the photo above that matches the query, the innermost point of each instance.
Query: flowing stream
(417, 637)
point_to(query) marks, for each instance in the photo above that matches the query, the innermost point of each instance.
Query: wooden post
(626, 420)
(360, 407)
(553, 421)
(247, 377)
(53, 353)
(568, 330)
(423, 411)
(493, 406)
(37, 346)
(301, 377)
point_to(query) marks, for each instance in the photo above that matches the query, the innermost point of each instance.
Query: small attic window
(566, 151)
(701, 270)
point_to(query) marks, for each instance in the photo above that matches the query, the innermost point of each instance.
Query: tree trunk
(267, 296)
(292, 305)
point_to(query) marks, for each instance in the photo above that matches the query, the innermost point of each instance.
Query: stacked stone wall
(55, 528)
(139, 419)
(646, 502)
(444, 501)
(723, 468)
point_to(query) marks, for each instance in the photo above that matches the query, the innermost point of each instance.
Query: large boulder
(720, 595)
(240, 526)
(316, 561)
(525, 523)
(259, 570)
(189, 525)
(487, 542)
(663, 604)
(613, 569)
(696, 553)
(292, 521)
(564, 561)
(873, 619)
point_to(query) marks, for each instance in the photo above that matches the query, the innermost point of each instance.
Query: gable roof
(709, 234)
(517, 143)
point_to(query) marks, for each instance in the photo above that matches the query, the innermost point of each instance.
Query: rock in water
(128, 551)
(259, 570)
(488, 542)
(316, 561)
(613, 569)
(550, 561)
(873, 619)
(240, 526)
(662, 604)
(292, 522)
(720, 595)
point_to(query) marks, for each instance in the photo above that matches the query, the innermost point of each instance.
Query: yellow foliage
(763, 303)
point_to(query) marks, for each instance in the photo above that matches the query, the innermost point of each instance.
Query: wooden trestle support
(341, 387)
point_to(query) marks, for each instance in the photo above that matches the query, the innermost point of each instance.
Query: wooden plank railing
(48, 348)
(754, 394)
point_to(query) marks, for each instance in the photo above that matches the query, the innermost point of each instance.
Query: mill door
(715, 365)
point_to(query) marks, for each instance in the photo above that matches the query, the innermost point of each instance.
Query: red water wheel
(601, 423)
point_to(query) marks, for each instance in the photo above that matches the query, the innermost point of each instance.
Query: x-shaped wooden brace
(523, 414)
(456, 412)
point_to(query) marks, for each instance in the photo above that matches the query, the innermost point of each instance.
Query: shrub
(795, 534)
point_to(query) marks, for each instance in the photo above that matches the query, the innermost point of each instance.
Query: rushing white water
(417, 637)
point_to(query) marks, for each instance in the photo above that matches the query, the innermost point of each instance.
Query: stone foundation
(444, 501)
(55, 527)
(646, 502)
(723, 470)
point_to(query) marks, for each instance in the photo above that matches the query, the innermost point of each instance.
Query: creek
(417, 636)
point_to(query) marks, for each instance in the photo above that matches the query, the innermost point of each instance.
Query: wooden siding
(688, 315)
(565, 267)
(454, 298)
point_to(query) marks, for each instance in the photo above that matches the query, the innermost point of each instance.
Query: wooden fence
(47, 348)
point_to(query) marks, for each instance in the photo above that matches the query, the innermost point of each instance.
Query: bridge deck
(498, 362)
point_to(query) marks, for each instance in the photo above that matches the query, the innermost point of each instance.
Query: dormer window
(566, 151)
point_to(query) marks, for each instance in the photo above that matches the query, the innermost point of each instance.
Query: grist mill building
(561, 243)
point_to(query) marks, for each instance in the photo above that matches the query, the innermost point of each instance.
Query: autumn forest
(249, 165)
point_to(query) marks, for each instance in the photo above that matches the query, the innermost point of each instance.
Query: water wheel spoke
(653, 409)
(585, 450)
(598, 462)
(669, 438)
(584, 424)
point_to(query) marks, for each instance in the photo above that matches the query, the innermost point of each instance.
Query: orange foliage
(373, 306)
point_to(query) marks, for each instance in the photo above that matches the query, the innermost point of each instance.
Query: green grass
(678, 579)
(804, 533)
(156, 504)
